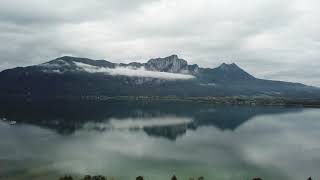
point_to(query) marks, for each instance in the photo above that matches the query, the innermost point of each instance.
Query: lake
(158, 139)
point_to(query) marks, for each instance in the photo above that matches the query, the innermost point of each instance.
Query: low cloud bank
(129, 71)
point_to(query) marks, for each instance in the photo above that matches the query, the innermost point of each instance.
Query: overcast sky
(274, 39)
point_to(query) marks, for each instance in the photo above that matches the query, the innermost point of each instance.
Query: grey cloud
(134, 72)
(59, 11)
(269, 38)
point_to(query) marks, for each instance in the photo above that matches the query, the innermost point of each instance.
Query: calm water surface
(157, 140)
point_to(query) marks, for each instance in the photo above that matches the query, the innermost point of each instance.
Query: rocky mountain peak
(232, 71)
(225, 66)
(171, 64)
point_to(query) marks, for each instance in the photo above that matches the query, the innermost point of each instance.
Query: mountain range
(169, 76)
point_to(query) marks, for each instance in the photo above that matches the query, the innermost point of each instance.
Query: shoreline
(228, 100)
(100, 177)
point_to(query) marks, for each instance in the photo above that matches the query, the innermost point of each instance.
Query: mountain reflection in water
(157, 140)
(160, 119)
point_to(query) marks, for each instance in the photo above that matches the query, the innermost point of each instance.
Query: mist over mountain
(169, 76)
